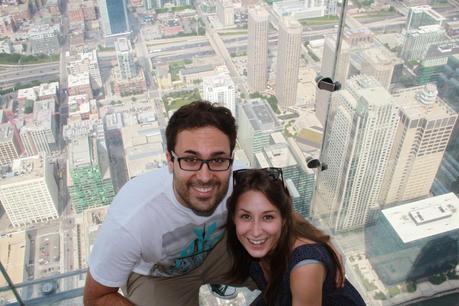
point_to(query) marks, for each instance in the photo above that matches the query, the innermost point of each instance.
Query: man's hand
(96, 294)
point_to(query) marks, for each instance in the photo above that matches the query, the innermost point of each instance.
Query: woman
(289, 259)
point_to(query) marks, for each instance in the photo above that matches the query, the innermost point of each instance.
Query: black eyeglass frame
(273, 172)
(202, 161)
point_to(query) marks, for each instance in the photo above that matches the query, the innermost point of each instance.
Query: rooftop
(260, 115)
(6, 132)
(78, 128)
(135, 135)
(277, 155)
(12, 256)
(259, 13)
(48, 89)
(197, 69)
(424, 218)
(422, 102)
(42, 118)
(144, 158)
(28, 93)
(435, 28)
(381, 56)
(26, 168)
(368, 88)
(79, 152)
(122, 45)
(428, 10)
(218, 80)
(78, 79)
(80, 105)
(442, 50)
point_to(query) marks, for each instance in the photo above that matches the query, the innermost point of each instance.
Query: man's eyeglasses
(191, 163)
(272, 172)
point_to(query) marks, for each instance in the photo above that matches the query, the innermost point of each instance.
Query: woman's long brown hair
(293, 227)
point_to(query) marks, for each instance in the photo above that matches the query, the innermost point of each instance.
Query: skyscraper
(114, 16)
(379, 62)
(418, 41)
(288, 61)
(424, 15)
(360, 140)
(426, 124)
(220, 88)
(30, 195)
(257, 49)
(422, 29)
(125, 57)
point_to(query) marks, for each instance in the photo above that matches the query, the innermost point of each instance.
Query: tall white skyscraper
(125, 57)
(360, 141)
(30, 195)
(288, 61)
(257, 49)
(220, 88)
(426, 124)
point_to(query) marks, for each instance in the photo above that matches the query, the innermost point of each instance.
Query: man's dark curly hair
(201, 114)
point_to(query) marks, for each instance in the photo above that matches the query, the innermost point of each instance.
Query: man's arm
(96, 294)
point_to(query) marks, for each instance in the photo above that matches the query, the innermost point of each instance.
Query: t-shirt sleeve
(114, 255)
(305, 262)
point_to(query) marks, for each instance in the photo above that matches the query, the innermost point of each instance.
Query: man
(161, 239)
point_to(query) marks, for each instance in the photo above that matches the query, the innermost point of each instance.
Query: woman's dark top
(346, 296)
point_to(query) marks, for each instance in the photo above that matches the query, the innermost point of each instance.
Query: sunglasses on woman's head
(272, 172)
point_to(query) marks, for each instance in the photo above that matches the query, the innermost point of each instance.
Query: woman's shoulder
(302, 244)
(305, 249)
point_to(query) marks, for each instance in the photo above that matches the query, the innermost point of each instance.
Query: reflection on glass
(385, 193)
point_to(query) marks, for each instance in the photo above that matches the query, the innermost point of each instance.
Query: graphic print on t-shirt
(186, 247)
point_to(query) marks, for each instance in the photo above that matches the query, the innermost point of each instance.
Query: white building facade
(288, 61)
(426, 125)
(220, 89)
(257, 49)
(31, 195)
(357, 154)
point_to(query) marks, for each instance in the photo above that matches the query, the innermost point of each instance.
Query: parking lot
(47, 255)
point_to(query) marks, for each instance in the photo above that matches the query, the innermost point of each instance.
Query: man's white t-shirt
(149, 232)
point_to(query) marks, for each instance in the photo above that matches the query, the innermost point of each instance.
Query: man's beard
(193, 203)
